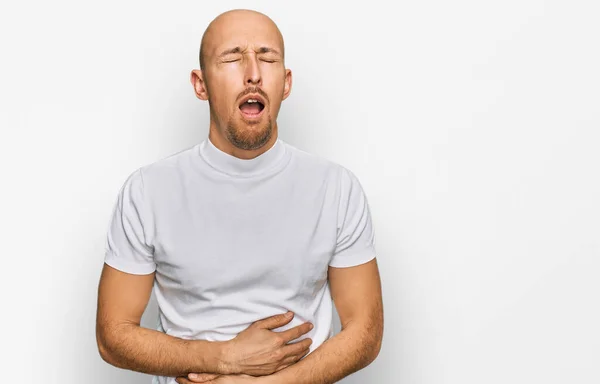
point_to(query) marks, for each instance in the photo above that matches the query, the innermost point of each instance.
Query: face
(244, 78)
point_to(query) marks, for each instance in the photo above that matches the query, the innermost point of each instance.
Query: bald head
(242, 24)
(243, 77)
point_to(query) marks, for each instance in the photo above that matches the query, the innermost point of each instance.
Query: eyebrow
(239, 50)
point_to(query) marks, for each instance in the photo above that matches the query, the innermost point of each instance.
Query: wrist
(226, 362)
(214, 357)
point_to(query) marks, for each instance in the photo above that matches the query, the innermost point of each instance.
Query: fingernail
(288, 314)
(193, 376)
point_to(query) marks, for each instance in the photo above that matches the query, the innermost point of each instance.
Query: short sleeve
(126, 247)
(355, 235)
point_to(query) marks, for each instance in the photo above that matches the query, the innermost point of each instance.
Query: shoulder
(168, 168)
(344, 179)
(316, 164)
(164, 173)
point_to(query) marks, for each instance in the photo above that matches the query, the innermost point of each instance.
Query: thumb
(202, 377)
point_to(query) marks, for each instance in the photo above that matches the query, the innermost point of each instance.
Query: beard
(242, 137)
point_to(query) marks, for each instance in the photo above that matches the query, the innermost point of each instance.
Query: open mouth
(252, 108)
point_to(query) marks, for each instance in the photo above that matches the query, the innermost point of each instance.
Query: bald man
(246, 240)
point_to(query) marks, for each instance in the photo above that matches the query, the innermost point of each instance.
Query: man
(237, 231)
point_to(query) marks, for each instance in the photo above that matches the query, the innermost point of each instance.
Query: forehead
(244, 33)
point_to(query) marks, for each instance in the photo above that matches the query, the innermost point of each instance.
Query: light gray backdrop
(472, 125)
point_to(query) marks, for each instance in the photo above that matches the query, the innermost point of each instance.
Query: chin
(249, 135)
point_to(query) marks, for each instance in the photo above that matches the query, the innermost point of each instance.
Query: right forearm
(132, 347)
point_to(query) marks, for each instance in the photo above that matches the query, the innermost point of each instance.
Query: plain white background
(472, 125)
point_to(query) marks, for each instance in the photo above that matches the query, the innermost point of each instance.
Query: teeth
(252, 101)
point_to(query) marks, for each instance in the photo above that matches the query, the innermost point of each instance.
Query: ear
(287, 85)
(199, 84)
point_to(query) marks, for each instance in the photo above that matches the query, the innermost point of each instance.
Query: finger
(274, 321)
(291, 360)
(296, 357)
(201, 377)
(295, 332)
(296, 348)
(182, 380)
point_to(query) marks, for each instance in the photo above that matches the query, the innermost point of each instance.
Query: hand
(259, 351)
(219, 379)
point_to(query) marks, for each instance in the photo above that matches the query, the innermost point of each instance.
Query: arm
(356, 292)
(122, 342)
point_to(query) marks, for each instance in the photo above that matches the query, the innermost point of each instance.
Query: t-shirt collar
(235, 166)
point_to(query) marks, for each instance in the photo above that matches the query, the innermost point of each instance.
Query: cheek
(275, 108)
(275, 91)
(223, 95)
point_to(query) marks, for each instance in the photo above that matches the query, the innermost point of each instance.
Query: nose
(252, 75)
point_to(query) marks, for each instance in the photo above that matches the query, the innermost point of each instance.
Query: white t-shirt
(233, 241)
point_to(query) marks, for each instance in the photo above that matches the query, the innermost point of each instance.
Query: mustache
(253, 90)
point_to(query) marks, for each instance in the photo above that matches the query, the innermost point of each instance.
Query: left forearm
(352, 349)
